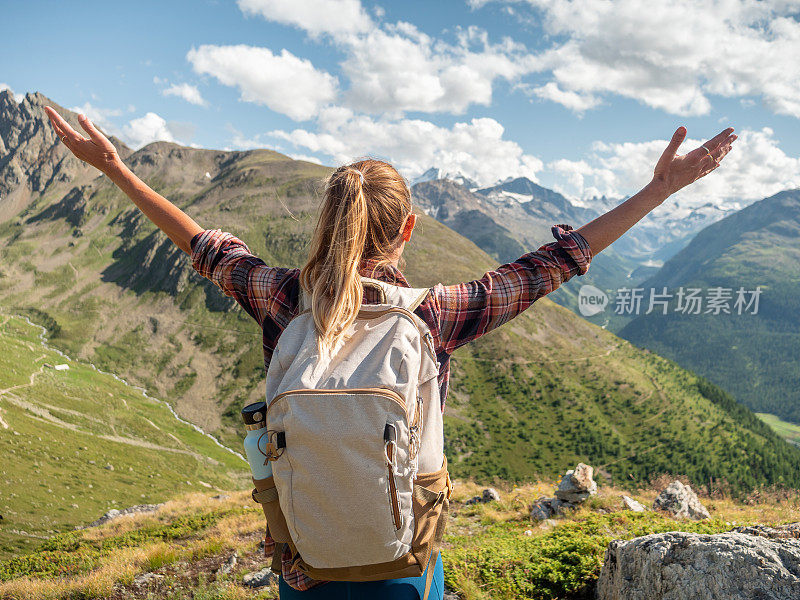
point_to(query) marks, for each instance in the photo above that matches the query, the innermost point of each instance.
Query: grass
(79, 442)
(491, 550)
(788, 431)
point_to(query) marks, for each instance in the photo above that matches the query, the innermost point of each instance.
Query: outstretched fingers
(715, 157)
(63, 128)
(672, 149)
(718, 139)
(89, 128)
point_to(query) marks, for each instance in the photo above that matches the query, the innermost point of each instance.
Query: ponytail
(362, 211)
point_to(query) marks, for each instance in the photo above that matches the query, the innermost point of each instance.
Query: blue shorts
(407, 588)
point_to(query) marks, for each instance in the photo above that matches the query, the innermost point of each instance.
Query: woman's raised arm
(100, 153)
(671, 174)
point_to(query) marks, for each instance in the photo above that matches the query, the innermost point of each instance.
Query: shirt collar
(387, 273)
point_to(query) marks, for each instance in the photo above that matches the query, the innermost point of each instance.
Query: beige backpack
(360, 489)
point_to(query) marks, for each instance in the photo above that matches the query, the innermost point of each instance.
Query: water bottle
(255, 447)
(255, 421)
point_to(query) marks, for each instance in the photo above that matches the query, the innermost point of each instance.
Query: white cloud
(99, 116)
(396, 67)
(17, 97)
(399, 68)
(314, 16)
(672, 56)
(285, 83)
(306, 157)
(144, 130)
(475, 148)
(755, 168)
(573, 101)
(190, 93)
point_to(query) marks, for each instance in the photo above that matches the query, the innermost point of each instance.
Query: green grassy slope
(61, 430)
(752, 356)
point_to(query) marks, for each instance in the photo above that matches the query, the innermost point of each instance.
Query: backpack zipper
(393, 501)
(342, 392)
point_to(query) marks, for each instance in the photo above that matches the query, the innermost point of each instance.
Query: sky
(579, 96)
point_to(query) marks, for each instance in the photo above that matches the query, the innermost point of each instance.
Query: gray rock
(764, 565)
(114, 513)
(229, 564)
(632, 504)
(488, 495)
(260, 578)
(146, 578)
(681, 502)
(544, 508)
(449, 595)
(577, 485)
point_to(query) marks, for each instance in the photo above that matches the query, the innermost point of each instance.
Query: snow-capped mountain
(435, 173)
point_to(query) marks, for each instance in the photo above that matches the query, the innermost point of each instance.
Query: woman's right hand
(96, 150)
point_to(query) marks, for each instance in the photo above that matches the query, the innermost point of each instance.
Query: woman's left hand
(675, 172)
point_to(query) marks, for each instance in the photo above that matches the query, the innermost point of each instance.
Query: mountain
(513, 217)
(112, 289)
(435, 173)
(752, 356)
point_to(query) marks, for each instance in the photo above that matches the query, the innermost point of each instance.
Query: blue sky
(577, 96)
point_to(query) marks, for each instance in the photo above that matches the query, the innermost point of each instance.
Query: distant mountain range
(515, 216)
(756, 357)
(77, 256)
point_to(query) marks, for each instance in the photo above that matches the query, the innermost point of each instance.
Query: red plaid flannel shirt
(456, 314)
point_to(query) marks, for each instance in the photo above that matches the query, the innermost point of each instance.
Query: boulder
(577, 485)
(681, 502)
(744, 564)
(114, 513)
(632, 504)
(544, 508)
(260, 578)
(488, 495)
(230, 564)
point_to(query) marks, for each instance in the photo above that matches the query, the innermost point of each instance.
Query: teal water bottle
(255, 421)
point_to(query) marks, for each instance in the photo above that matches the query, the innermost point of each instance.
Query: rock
(632, 504)
(528, 532)
(114, 513)
(681, 502)
(146, 578)
(260, 578)
(220, 497)
(763, 565)
(488, 495)
(229, 564)
(109, 467)
(449, 595)
(577, 485)
(544, 508)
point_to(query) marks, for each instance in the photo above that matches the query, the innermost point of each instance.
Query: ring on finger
(64, 139)
(709, 154)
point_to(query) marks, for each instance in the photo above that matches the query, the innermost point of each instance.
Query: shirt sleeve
(466, 311)
(227, 261)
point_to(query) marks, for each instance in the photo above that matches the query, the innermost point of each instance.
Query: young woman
(365, 221)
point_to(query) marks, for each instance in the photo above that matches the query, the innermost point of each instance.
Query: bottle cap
(255, 413)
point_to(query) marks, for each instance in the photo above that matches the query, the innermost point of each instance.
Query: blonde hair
(363, 209)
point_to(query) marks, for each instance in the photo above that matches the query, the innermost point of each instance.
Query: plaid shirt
(455, 314)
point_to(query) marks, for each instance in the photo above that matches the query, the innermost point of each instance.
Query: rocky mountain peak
(32, 158)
